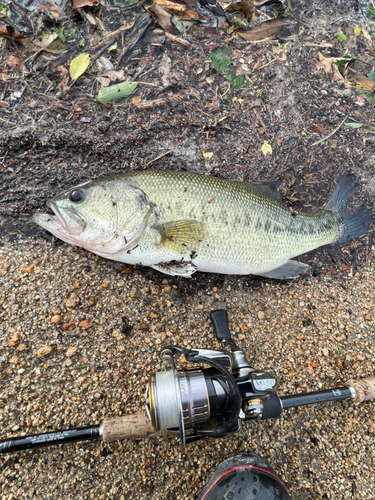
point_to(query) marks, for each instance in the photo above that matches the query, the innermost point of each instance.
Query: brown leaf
(326, 63)
(42, 42)
(82, 3)
(244, 7)
(65, 77)
(366, 83)
(162, 17)
(266, 29)
(10, 32)
(174, 7)
(189, 14)
(370, 44)
(318, 129)
(15, 61)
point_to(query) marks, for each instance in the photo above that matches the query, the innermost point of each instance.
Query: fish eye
(76, 196)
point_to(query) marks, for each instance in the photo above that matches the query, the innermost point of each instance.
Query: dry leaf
(29, 45)
(370, 44)
(365, 82)
(189, 14)
(162, 17)
(115, 76)
(266, 29)
(82, 3)
(42, 42)
(281, 53)
(244, 7)
(336, 74)
(65, 76)
(326, 63)
(10, 32)
(318, 129)
(360, 101)
(15, 61)
(104, 81)
(174, 7)
(266, 148)
(208, 156)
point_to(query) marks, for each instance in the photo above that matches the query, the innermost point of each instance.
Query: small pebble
(347, 93)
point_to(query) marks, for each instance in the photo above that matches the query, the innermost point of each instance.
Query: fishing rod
(205, 402)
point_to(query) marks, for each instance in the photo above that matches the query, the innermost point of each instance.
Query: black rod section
(49, 438)
(316, 397)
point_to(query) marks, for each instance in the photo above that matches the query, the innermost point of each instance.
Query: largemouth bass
(179, 223)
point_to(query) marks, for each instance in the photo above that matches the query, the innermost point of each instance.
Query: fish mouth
(60, 222)
(55, 215)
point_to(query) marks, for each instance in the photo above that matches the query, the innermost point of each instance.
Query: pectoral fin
(181, 236)
(289, 270)
(176, 269)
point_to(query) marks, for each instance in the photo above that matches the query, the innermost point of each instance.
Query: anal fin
(291, 269)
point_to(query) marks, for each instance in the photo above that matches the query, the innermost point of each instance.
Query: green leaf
(341, 37)
(56, 47)
(221, 58)
(182, 26)
(367, 95)
(116, 92)
(371, 11)
(79, 65)
(342, 61)
(4, 11)
(353, 125)
(239, 82)
(371, 76)
(230, 74)
(126, 3)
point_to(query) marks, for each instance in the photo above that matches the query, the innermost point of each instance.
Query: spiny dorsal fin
(182, 235)
(271, 188)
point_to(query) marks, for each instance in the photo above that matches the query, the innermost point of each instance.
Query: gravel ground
(79, 338)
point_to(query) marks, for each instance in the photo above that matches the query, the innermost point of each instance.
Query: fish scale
(179, 222)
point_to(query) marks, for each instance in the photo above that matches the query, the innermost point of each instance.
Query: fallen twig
(112, 36)
(270, 62)
(180, 41)
(331, 134)
(158, 157)
(141, 29)
(151, 104)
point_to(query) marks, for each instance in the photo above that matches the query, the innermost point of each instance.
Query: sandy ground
(79, 339)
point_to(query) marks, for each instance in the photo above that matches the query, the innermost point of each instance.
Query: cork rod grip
(364, 389)
(136, 426)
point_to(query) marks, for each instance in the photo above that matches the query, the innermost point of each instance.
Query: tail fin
(353, 224)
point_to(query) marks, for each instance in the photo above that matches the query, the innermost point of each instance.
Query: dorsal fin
(271, 188)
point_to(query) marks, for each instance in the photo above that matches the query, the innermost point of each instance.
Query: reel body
(207, 402)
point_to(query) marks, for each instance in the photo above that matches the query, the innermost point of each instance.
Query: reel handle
(219, 319)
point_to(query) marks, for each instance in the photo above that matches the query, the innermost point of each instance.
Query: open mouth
(55, 215)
